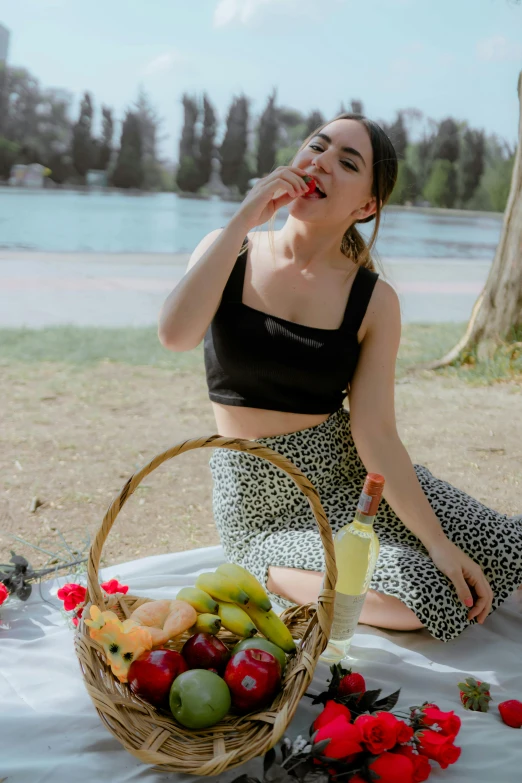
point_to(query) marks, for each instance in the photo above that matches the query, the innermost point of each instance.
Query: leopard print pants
(264, 520)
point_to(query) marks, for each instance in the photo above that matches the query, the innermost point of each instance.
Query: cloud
(499, 49)
(244, 11)
(164, 62)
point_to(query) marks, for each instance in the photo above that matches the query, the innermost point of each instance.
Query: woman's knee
(386, 611)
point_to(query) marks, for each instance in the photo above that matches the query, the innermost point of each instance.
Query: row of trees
(448, 165)
(36, 127)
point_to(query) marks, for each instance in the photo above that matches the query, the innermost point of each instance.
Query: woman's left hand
(465, 574)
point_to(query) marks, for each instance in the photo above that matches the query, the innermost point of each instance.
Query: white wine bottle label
(365, 501)
(347, 609)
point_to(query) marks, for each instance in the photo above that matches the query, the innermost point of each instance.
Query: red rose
(393, 768)
(4, 593)
(448, 722)
(332, 710)
(113, 586)
(421, 765)
(378, 732)
(72, 595)
(345, 738)
(438, 747)
(404, 732)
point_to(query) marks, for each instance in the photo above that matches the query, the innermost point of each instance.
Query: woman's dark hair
(385, 169)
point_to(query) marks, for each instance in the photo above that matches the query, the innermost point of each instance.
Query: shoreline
(86, 191)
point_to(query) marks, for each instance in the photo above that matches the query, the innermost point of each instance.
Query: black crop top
(257, 360)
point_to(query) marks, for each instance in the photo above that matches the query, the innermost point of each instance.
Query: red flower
(393, 768)
(113, 586)
(404, 732)
(438, 747)
(378, 732)
(4, 593)
(345, 738)
(448, 722)
(72, 595)
(332, 710)
(421, 765)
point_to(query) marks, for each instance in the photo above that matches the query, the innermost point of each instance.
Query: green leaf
(388, 703)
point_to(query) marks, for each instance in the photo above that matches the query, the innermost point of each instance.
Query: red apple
(254, 677)
(153, 672)
(205, 651)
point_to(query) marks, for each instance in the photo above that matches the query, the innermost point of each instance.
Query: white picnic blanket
(50, 731)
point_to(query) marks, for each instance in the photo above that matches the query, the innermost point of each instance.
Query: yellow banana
(209, 623)
(235, 619)
(221, 588)
(198, 599)
(248, 583)
(271, 626)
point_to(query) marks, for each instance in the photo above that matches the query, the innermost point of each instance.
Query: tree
(441, 188)
(233, 151)
(497, 314)
(82, 147)
(446, 144)
(313, 121)
(149, 123)
(105, 143)
(406, 186)
(129, 166)
(207, 142)
(187, 176)
(268, 132)
(22, 99)
(398, 135)
(470, 164)
(9, 151)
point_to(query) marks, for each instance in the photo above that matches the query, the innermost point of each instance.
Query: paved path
(44, 289)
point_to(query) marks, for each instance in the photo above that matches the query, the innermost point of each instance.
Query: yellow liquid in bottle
(356, 551)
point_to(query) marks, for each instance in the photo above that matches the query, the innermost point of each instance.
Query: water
(68, 221)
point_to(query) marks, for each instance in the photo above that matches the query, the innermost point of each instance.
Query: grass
(83, 346)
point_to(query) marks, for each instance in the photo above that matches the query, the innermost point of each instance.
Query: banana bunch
(232, 598)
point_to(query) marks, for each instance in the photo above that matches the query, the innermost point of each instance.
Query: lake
(114, 222)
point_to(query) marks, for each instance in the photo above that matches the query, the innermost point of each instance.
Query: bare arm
(372, 411)
(189, 309)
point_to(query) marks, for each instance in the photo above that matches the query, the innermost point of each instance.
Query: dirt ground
(71, 436)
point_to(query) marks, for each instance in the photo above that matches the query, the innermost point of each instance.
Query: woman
(292, 323)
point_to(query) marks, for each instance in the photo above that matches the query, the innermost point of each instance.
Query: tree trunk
(498, 310)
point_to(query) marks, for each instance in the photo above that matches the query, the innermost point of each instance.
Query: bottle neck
(364, 519)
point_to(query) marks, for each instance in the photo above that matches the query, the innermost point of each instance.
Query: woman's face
(340, 158)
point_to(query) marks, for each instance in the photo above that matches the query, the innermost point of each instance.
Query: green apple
(260, 643)
(199, 698)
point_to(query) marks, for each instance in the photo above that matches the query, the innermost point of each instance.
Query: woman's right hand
(270, 193)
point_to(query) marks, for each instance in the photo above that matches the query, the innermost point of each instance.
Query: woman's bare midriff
(317, 300)
(234, 421)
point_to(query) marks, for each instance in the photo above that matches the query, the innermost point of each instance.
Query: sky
(458, 58)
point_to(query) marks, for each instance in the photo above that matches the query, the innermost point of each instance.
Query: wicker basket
(153, 736)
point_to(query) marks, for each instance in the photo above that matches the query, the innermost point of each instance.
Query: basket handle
(326, 597)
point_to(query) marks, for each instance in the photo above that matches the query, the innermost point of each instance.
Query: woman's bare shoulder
(384, 309)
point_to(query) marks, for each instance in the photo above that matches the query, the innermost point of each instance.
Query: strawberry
(475, 695)
(511, 713)
(310, 181)
(351, 683)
